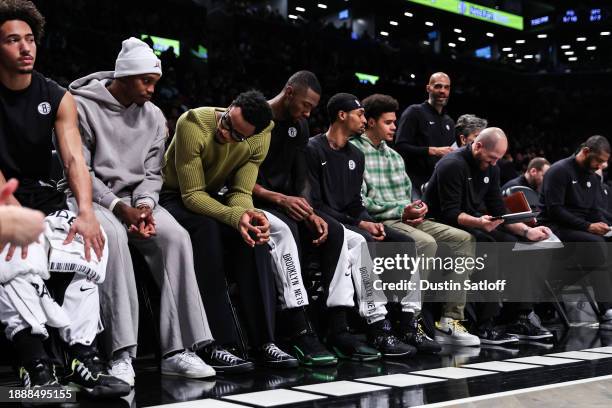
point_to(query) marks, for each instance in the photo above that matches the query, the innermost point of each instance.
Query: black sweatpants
(217, 250)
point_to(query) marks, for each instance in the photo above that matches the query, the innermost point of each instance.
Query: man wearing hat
(124, 135)
(335, 175)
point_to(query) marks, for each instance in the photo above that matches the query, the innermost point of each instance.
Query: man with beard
(533, 176)
(425, 132)
(571, 197)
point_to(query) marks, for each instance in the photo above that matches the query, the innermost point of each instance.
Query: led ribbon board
(467, 9)
(367, 78)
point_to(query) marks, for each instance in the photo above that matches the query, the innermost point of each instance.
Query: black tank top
(27, 118)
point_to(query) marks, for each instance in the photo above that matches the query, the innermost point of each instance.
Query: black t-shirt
(571, 195)
(334, 180)
(419, 127)
(459, 185)
(27, 118)
(284, 168)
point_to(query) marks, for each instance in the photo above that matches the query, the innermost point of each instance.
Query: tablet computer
(518, 217)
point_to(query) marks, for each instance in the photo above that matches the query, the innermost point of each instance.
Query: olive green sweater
(198, 167)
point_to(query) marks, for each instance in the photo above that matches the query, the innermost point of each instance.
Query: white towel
(71, 257)
(35, 263)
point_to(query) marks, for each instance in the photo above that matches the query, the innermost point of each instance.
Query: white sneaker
(450, 331)
(186, 364)
(123, 370)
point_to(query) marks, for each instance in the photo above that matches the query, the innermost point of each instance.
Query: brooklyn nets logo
(44, 108)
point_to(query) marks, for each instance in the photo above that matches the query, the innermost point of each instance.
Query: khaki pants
(426, 236)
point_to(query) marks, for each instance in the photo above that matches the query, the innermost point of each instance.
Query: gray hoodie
(123, 147)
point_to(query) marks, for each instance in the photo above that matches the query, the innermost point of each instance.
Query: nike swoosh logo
(85, 289)
(323, 163)
(347, 274)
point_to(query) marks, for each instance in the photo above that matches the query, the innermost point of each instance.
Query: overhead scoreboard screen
(478, 12)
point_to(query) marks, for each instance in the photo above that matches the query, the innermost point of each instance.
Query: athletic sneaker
(414, 335)
(310, 352)
(491, 334)
(186, 364)
(123, 370)
(451, 331)
(88, 374)
(225, 362)
(38, 373)
(606, 320)
(524, 329)
(380, 336)
(272, 356)
(349, 347)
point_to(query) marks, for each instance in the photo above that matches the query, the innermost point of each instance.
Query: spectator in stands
(220, 150)
(18, 225)
(467, 128)
(465, 187)
(387, 196)
(32, 109)
(571, 200)
(425, 132)
(335, 175)
(533, 176)
(124, 137)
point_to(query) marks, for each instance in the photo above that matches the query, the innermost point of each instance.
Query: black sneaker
(272, 356)
(488, 333)
(525, 329)
(89, 375)
(347, 346)
(310, 352)
(414, 335)
(223, 361)
(382, 339)
(38, 373)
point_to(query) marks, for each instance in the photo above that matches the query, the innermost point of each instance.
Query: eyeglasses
(226, 123)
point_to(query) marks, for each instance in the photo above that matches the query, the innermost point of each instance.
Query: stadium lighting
(507, 49)
(457, 30)
(520, 41)
(518, 61)
(384, 33)
(322, 6)
(572, 59)
(510, 55)
(580, 39)
(292, 16)
(393, 23)
(462, 39)
(603, 33)
(528, 56)
(542, 35)
(408, 14)
(491, 35)
(300, 9)
(429, 24)
(591, 48)
(412, 76)
(569, 52)
(452, 45)
(566, 47)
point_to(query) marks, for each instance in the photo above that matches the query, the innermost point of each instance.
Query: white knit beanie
(136, 58)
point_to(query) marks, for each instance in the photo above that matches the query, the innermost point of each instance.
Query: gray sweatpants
(183, 323)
